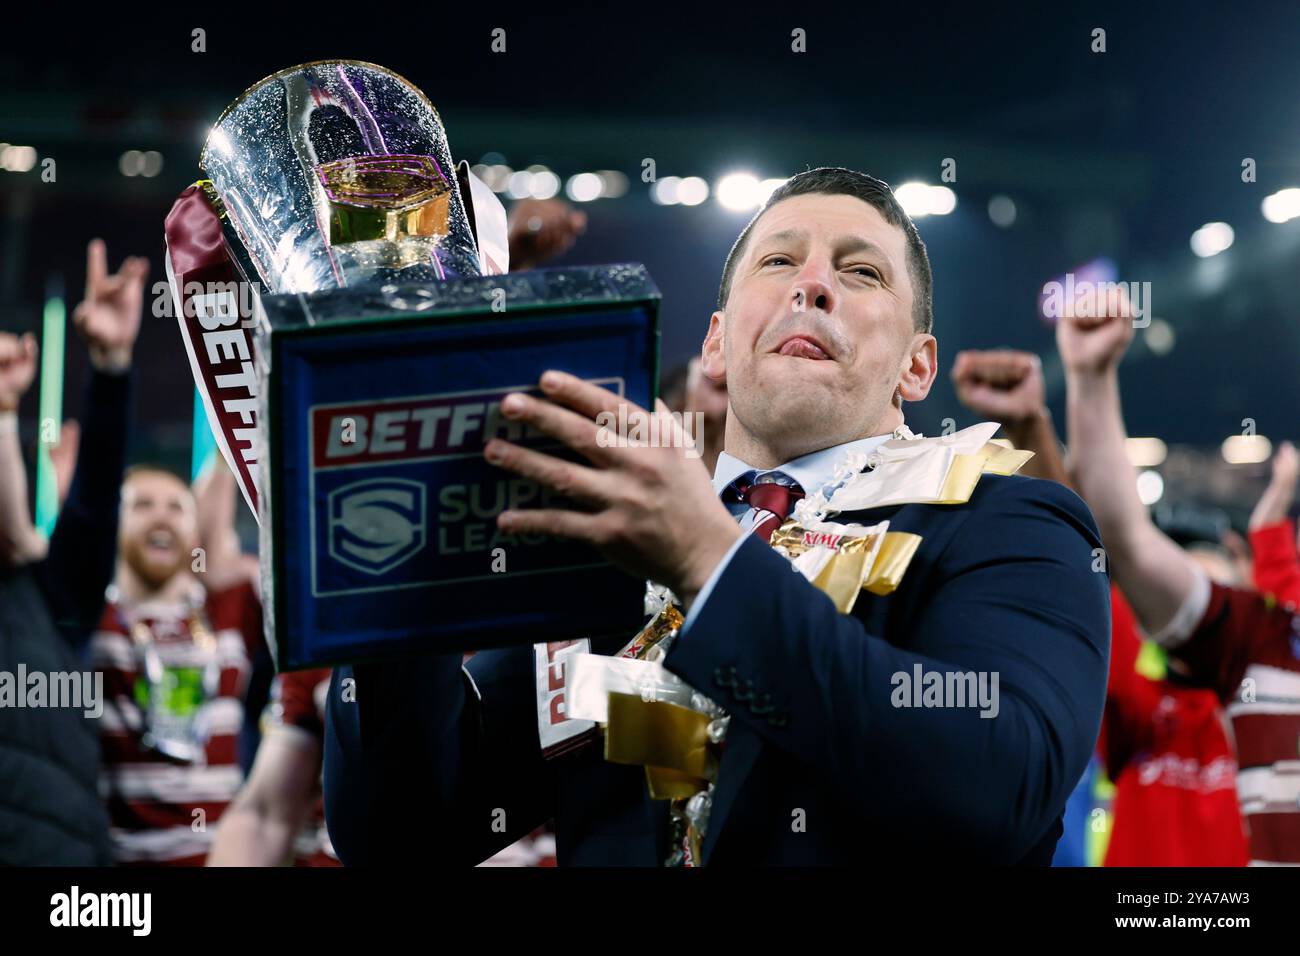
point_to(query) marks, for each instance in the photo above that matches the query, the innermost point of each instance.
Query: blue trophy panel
(385, 507)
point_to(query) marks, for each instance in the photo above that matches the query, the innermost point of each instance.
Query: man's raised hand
(1001, 386)
(1094, 345)
(109, 316)
(17, 368)
(1275, 503)
(1286, 466)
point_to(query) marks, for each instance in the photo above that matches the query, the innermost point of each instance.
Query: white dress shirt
(811, 472)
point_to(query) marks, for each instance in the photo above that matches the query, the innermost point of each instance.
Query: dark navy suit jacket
(820, 766)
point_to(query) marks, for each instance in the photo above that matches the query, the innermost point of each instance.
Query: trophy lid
(337, 173)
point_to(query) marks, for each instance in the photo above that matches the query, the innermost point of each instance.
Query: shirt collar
(811, 471)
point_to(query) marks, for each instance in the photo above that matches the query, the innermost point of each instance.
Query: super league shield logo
(376, 524)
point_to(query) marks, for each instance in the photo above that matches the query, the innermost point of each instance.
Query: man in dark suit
(830, 752)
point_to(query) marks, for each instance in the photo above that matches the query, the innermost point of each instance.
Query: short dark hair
(836, 181)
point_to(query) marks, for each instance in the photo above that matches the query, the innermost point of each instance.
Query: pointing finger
(96, 265)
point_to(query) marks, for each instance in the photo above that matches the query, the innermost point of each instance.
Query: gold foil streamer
(888, 562)
(841, 579)
(668, 784)
(941, 470)
(891, 562)
(965, 470)
(1004, 460)
(658, 735)
(963, 475)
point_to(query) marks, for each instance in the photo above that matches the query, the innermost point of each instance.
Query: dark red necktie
(772, 501)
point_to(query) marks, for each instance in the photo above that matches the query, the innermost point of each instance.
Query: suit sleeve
(426, 759)
(1013, 596)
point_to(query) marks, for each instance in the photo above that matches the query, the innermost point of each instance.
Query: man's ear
(712, 354)
(920, 367)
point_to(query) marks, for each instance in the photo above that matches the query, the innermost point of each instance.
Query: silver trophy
(332, 188)
(336, 174)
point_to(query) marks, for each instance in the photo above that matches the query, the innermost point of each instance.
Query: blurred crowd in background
(1022, 149)
(201, 753)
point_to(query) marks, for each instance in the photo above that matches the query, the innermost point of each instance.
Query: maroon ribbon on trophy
(214, 305)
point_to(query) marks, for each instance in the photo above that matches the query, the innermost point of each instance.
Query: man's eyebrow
(785, 235)
(844, 245)
(852, 243)
(856, 243)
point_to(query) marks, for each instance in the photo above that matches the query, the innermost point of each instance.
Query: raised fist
(1000, 386)
(1094, 344)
